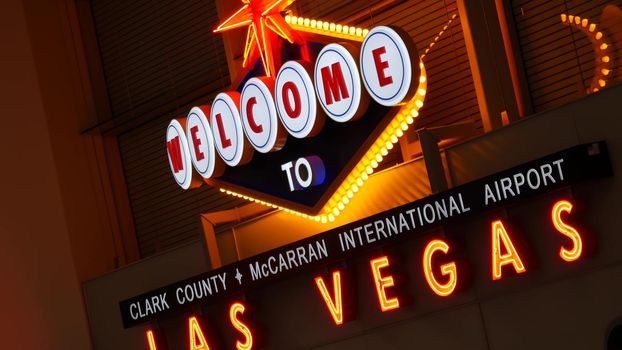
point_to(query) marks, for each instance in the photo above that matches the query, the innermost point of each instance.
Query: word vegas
(296, 102)
(441, 273)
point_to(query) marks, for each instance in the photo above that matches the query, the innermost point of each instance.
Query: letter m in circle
(334, 83)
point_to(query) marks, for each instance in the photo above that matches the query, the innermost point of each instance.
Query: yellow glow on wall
(449, 270)
(568, 255)
(151, 340)
(235, 309)
(383, 282)
(196, 336)
(510, 257)
(602, 49)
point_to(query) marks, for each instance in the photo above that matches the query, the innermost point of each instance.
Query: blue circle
(308, 101)
(269, 119)
(351, 77)
(363, 71)
(236, 130)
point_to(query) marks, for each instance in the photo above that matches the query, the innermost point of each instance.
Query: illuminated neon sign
(503, 253)
(272, 138)
(441, 269)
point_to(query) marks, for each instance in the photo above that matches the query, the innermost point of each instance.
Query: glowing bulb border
(385, 142)
(602, 49)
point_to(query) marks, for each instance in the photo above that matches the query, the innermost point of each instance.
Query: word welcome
(295, 103)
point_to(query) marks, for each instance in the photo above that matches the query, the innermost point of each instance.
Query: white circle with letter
(227, 127)
(295, 100)
(386, 65)
(201, 141)
(259, 116)
(338, 83)
(179, 154)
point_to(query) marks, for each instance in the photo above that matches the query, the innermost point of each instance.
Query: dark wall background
(558, 60)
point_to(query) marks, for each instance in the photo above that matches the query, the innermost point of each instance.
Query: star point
(264, 21)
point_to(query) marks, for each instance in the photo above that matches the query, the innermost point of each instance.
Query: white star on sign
(238, 276)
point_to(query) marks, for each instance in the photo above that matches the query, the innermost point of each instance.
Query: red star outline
(263, 19)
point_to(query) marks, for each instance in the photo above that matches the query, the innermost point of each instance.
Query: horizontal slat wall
(153, 54)
(154, 51)
(164, 214)
(559, 60)
(451, 94)
(337, 10)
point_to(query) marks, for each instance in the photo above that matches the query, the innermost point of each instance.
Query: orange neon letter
(500, 235)
(383, 282)
(197, 339)
(568, 231)
(335, 305)
(151, 340)
(448, 269)
(241, 327)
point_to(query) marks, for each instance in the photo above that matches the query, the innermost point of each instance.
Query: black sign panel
(339, 146)
(561, 169)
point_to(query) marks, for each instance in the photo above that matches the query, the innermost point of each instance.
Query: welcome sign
(310, 119)
(302, 130)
